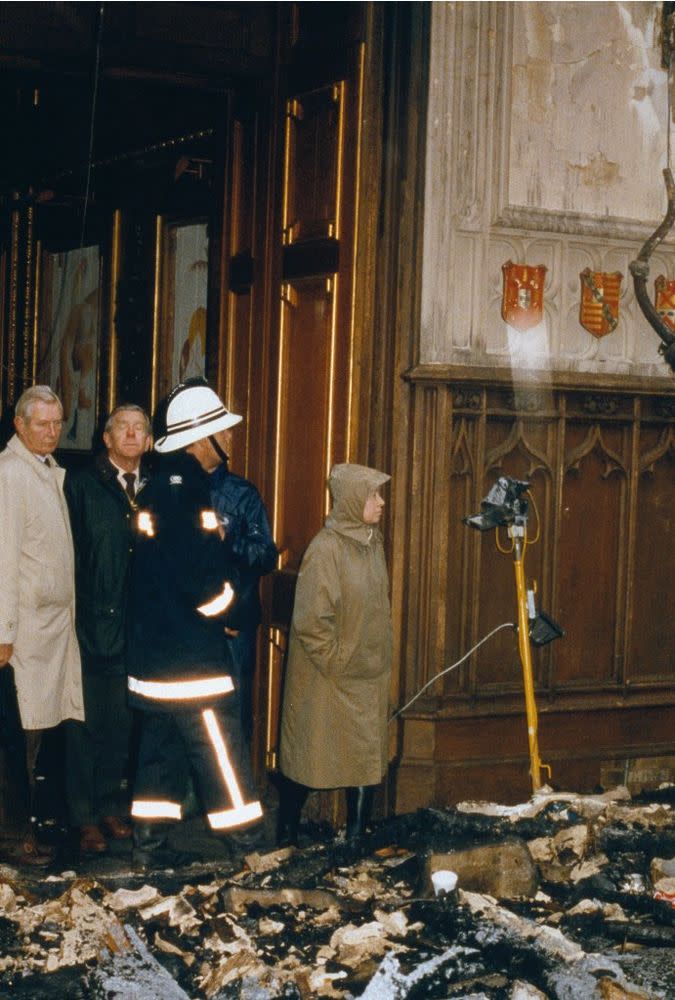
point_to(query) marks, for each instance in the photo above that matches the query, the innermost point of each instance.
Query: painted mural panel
(588, 123)
(68, 340)
(190, 252)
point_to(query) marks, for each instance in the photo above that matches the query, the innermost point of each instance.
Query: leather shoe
(27, 852)
(116, 828)
(92, 840)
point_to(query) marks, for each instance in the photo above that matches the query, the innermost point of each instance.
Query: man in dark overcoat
(102, 499)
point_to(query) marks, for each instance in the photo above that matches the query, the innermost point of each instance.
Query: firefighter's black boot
(359, 808)
(292, 797)
(152, 849)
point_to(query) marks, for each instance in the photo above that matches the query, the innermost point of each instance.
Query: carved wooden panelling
(599, 510)
(602, 468)
(650, 620)
(591, 577)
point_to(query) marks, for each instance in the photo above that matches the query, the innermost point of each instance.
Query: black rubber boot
(248, 840)
(359, 808)
(151, 847)
(292, 797)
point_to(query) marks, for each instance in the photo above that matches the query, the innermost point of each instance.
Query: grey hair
(127, 406)
(35, 394)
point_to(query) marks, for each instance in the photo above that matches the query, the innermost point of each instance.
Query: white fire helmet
(193, 412)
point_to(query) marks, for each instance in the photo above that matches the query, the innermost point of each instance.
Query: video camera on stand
(506, 505)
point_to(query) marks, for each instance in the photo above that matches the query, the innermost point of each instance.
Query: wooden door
(314, 359)
(291, 338)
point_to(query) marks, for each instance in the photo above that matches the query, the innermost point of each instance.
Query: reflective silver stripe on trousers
(181, 690)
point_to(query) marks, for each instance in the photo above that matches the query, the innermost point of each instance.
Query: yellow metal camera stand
(518, 535)
(505, 506)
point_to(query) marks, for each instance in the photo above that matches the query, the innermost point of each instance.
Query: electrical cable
(453, 666)
(90, 157)
(533, 541)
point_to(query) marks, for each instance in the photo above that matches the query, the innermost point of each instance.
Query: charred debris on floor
(566, 897)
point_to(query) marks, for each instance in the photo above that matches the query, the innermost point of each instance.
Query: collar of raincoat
(350, 486)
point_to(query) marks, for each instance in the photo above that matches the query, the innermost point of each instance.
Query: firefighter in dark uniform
(182, 586)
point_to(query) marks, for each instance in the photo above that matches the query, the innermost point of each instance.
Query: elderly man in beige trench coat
(38, 644)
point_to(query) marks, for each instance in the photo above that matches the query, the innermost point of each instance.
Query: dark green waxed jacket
(102, 524)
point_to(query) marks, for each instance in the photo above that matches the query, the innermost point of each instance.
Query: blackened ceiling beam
(204, 45)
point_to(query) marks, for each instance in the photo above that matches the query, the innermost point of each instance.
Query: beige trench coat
(336, 692)
(37, 589)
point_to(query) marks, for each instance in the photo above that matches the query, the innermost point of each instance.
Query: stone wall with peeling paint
(546, 140)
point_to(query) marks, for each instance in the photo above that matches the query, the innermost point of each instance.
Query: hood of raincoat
(350, 486)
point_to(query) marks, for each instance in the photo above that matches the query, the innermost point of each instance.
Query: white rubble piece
(666, 886)
(549, 938)
(77, 928)
(268, 927)
(136, 974)
(570, 844)
(132, 899)
(361, 884)
(353, 945)
(585, 805)
(395, 924)
(176, 911)
(261, 863)
(654, 814)
(662, 868)
(526, 991)
(327, 917)
(611, 911)
(8, 902)
(321, 983)
(389, 983)
(542, 850)
(634, 883)
(169, 948)
(241, 963)
(592, 866)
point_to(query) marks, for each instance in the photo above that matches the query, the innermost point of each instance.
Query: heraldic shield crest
(600, 290)
(523, 295)
(665, 300)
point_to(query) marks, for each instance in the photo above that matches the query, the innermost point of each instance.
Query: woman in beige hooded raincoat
(336, 695)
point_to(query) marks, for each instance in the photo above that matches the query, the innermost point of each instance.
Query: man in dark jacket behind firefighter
(101, 500)
(251, 549)
(182, 586)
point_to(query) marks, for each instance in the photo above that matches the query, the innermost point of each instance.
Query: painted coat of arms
(523, 295)
(665, 300)
(599, 311)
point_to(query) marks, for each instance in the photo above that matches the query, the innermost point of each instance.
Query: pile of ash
(565, 897)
